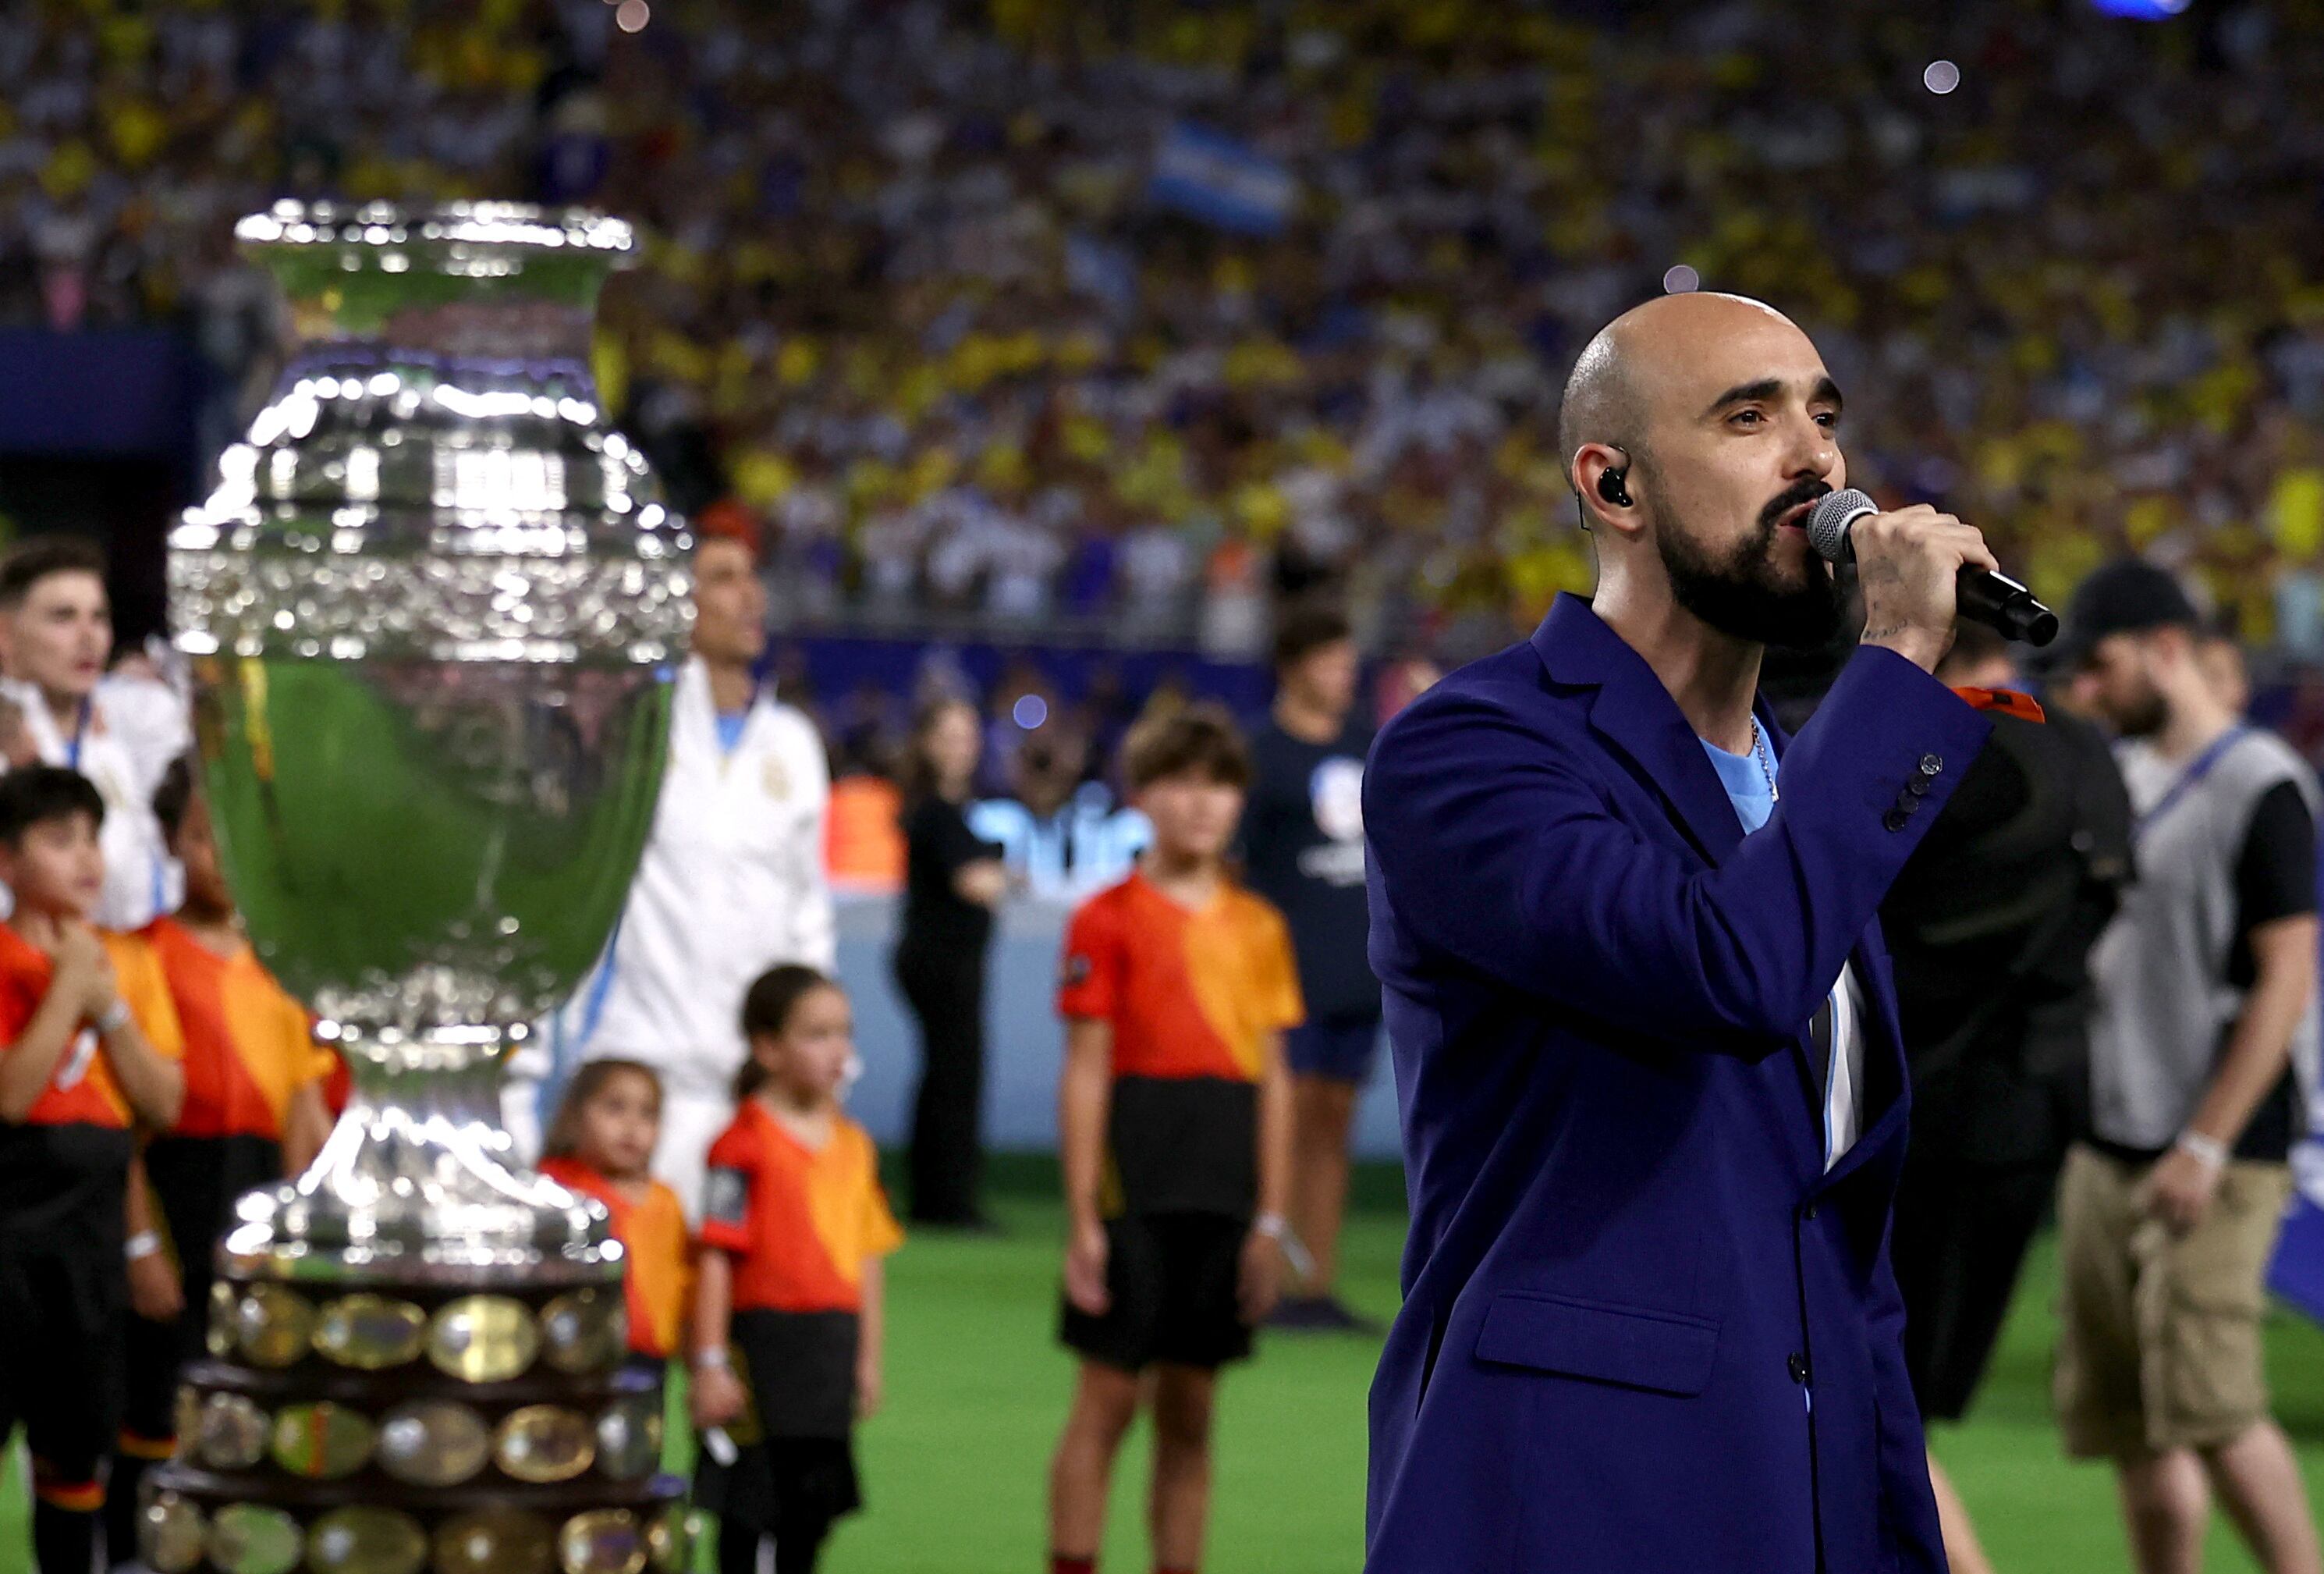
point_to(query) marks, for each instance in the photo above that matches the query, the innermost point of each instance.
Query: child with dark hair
(601, 1145)
(789, 1306)
(252, 1114)
(88, 1046)
(1176, 1126)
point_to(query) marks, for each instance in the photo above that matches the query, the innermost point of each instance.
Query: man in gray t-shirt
(2205, 987)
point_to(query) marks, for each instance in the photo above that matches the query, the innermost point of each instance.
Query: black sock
(64, 1539)
(120, 1508)
(738, 1547)
(797, 1546)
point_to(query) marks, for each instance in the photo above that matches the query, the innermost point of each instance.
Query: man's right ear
(1603, 469)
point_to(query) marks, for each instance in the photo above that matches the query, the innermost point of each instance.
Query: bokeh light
(1941, 77)
(1681, 280)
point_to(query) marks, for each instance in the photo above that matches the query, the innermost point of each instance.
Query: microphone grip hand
(1910, 565)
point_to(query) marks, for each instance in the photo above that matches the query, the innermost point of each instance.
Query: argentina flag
(1209, 176)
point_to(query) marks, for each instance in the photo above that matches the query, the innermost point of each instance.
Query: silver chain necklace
(1759, 753)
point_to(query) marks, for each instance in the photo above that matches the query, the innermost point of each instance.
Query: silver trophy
(433, 610)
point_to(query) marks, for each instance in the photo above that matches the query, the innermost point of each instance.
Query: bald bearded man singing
(1653, 1098)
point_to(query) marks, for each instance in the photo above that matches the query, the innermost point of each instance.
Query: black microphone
(1994, 600)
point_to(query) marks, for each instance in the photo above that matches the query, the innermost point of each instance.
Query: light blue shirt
(730, 725)
(1749, 788)
(1746, 782)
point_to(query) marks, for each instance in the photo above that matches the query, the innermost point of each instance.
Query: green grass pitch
(954, 1470)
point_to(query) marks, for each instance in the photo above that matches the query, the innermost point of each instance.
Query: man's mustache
(1791, 497)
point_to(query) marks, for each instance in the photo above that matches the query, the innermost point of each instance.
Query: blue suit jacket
(1643, 1329)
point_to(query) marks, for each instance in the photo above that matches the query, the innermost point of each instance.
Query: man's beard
(2145, 717)
(1741, 594)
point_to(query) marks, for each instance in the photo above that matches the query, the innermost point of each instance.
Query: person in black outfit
(1991, 925)
(1303, 843)
(952, 883)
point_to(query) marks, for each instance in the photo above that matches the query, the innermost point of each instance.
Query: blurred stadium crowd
(914, 301)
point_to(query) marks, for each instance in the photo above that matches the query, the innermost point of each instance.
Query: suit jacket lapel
(1637, 718)
(1813, 1085)
(1882, 1087)
(1634, 713)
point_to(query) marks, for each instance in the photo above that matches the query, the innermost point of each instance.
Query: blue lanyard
(2189, 779)
(80, 731)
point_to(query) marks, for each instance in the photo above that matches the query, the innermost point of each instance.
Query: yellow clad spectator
(68, 170)
(2295, 511)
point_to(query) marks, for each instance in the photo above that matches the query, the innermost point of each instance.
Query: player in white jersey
(731, 882)
(57, 707)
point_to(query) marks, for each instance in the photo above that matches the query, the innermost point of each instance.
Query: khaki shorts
(2159, 1343)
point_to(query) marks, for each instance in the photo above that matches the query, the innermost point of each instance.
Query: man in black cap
(2205, 992)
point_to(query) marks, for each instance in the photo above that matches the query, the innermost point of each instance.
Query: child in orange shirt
(600, 1145)
(1174, 1115)
(252, 1114)
(89, 1049)
(787, 1319)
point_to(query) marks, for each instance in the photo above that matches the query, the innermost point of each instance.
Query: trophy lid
(493, 279)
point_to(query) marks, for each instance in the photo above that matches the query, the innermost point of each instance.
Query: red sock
(1061, 1564)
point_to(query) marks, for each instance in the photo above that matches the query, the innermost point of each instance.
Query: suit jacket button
(1797, 1365)
(1932, 763)
(1894, 820)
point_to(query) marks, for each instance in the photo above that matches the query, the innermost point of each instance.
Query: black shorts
(777, 1483)
(1341, 1051)
(797, 1462)
(61, 1313)
(1174, 1278)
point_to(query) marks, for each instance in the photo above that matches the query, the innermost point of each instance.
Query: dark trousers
(1960, 1239)
(945, 990)
(1988, 1142)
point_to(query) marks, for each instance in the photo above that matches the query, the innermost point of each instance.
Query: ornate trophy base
(418, 1363)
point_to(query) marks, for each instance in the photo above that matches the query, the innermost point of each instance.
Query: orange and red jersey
(1196, 998)
(248, 1045)
(1188, 993)
(653, 1233)
(81, 1090)
(800, 1224)
(64, 1166)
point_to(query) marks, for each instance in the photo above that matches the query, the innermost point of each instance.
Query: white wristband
(717, 1360)
(114, 1018)
(2208, 1151)
(1273, 1225)
(143, 1244)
